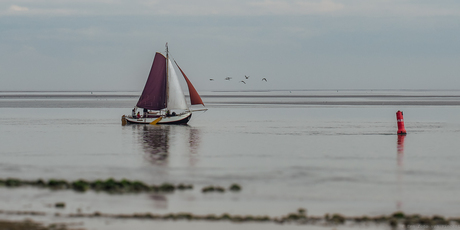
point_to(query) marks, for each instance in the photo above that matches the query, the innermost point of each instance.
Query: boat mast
(167, 75)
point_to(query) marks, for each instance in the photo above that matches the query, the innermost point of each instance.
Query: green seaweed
(298, 217)
(169, 216)
(12, 182)
(184, 187)
(213, 189)
(110, 185)
(136, 186)
(30, 225)
(262, 218)
(226, 216)
(398, 215)
(58, 184)
(80, 186)
(237, 218)
(211, 217)
(208, 189)
(302, 211)
(185, 216)
(337, 219)
(235, 188)
(380, 219)
(294, 216)
(219, 189)
(166, 187)
(59, 205)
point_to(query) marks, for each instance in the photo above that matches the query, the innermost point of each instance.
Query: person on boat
(146, 113)
(138, 115)
(167, 113)
(134, 113)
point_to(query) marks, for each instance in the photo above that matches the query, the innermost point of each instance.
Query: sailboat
(162, 101)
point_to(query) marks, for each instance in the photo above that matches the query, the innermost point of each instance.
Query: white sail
(176, 98)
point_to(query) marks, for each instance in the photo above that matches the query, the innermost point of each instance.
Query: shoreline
(300, 217)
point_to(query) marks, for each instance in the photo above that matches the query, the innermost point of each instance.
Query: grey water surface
(325, 151)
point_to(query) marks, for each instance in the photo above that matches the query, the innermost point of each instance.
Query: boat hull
(181, 119)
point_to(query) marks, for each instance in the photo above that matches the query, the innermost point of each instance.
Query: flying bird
(243, 82)
(264, 79)
(211, 79)
(228, 78)
(247, 77)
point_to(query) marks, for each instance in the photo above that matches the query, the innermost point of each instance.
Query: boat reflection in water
(166, 146)
(160, 201)
(170, 144)
(155, 141)
(400, 169)
(193, 144)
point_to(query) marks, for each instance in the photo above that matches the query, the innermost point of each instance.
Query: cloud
(37, 10)
(239, 7)
(178, 7)
(16, 8)
(280, 7)
(379, 8)
(407, 8)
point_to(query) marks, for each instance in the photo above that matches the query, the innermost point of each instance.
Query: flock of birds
(245, 76)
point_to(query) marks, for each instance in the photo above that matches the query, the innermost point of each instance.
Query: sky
(108, 45)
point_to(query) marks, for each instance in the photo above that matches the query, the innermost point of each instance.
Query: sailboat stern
(181, 119)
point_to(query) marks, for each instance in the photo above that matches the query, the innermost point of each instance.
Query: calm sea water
(325, 151)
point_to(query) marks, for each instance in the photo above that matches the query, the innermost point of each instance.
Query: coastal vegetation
(110, 185)
(32, 225)
(394, 221)
(300, 217)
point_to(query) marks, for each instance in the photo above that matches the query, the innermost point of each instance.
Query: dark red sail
(195, 98)
(154, 95)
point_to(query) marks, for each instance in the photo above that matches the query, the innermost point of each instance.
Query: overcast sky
(310, 44)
